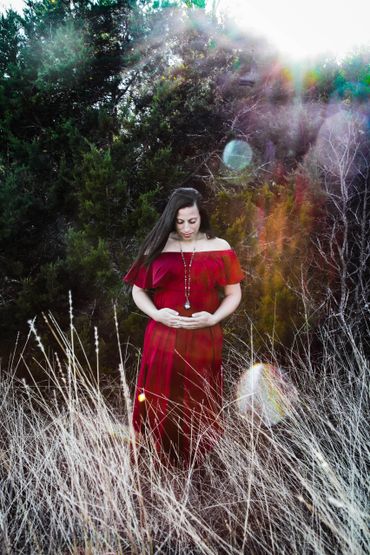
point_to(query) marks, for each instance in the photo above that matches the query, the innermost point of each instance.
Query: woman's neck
(176, 243)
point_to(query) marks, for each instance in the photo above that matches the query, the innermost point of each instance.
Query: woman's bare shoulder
(218, 244)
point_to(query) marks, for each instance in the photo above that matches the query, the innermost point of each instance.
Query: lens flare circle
(237, 155)
(264, 390)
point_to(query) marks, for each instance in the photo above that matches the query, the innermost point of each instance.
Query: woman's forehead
(188, 212)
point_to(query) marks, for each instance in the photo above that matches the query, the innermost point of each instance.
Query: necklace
(187, 278)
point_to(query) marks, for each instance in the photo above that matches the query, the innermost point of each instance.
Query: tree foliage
(106, 106)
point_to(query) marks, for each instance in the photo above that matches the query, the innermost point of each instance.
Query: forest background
(107, 106)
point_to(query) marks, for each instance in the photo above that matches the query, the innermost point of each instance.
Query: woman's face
(188, 222)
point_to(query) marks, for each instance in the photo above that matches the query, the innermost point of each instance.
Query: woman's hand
(198, 320)
(168, 317)
(171, 318)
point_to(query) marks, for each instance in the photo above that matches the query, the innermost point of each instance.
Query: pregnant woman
(186, 280)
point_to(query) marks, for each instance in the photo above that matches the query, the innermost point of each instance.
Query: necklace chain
(187, 277)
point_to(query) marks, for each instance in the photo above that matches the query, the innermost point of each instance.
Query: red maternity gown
(181, 373)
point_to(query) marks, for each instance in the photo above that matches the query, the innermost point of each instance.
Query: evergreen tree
(60, 87)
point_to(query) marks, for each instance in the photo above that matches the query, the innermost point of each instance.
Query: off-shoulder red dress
(181, 372)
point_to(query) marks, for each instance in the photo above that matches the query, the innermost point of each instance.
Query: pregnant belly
(199, 300)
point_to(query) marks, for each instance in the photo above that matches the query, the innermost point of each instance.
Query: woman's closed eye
(180, 222)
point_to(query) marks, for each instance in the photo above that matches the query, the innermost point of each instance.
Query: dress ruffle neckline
(197, 252)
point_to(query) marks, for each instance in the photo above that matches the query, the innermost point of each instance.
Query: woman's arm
(231, 301)
(166, 316)
(228, 305)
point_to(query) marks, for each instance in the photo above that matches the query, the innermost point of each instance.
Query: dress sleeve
(231, 271)
(140, 275)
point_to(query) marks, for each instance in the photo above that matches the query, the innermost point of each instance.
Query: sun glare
(300, 29)
(16, 5)
(304, 29)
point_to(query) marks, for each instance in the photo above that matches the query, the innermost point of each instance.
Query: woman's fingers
(197, 320)
(171, 318)
(167, 316)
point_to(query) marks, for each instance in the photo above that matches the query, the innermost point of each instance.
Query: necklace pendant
(187, 277)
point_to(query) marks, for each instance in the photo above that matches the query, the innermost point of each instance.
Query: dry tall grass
(68, 484)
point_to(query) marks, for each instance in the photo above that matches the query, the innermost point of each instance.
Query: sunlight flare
(304, 29)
